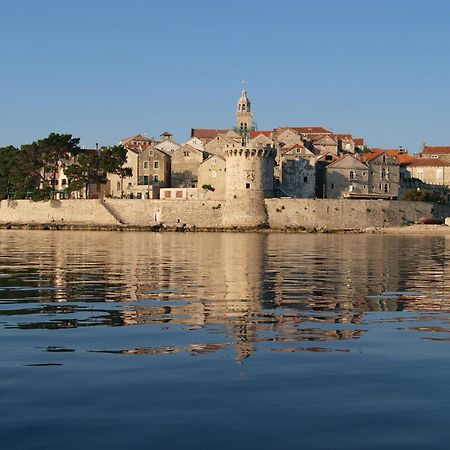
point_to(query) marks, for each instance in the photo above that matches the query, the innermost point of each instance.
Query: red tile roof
(343, 136)
(436, 150)
(311, 130)
(267, 133)
(358, 141)
(425, 162)
(395, 153)
(206, 133)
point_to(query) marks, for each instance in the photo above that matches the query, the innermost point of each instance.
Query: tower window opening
(247, 185)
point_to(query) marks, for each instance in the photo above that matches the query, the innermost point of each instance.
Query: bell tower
(243, 113)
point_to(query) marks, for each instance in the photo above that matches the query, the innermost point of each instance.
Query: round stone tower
(249, 179)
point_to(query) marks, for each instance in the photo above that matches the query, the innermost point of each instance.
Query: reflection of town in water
(280, 292)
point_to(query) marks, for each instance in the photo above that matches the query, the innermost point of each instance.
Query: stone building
(186, 161)
(384, 175)
(166, 143)
(212, 172)
(218, 145)
(434, 171)
(154, 167)
(345, 177)
(346, 144)
(324, 144)
(429, 152)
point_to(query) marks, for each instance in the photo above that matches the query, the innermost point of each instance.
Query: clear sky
(106, 69)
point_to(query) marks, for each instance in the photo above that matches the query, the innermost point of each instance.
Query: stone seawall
(55, 211)
(282, 213)
(348, 214)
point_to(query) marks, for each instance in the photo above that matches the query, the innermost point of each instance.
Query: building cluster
(308, 162)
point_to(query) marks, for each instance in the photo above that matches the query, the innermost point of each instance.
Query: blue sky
(106, 69)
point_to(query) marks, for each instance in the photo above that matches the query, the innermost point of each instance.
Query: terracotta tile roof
(138, 137)
(343, 136)
(358, 141)
(206, 133)
(323, 158)
(395, 153)
(436, 150)
(322, 136)
(404, 158)
(310, 130)
(425, 162)
(256, 133)
(286, 149)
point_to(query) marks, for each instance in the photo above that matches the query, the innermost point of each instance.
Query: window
(213, 173)
(179, 194)
(214, 160)
(332, 185)
(185, 153)
(167, 194)
(156, 164)
(247, 185)
(145, 180)
(351, 175)
(151, 152)
(155, 179)
(118, 185)
(63, 182)
(305, 179)
(351, 188)
(384, 174)
(384, 158)
(145, 164)
(386, 187)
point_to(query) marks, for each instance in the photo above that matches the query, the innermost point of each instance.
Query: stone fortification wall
(57, 211)
(282, 213)
(348, 214)
(207, 213)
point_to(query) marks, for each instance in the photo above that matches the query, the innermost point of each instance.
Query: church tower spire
(244, 122)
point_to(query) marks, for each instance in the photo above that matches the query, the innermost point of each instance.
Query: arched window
(118, 185)
(243, 107)
(383, 173)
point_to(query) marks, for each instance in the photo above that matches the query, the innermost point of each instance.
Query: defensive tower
(249, 179)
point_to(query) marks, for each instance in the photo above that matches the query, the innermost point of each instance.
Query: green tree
(8, 161)
(206, 188)
(114, 160)
(87, 170)
(44, 158)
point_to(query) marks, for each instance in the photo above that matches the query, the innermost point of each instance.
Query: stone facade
(346, 176)
(431, 171)
(212, 172)
(244, 121)
(154, 167)
(384, 175)
(249, 179)
(185, 163)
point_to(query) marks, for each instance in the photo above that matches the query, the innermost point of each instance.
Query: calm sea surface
(114, 340)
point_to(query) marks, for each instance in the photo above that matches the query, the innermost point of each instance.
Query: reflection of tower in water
(243, 269)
